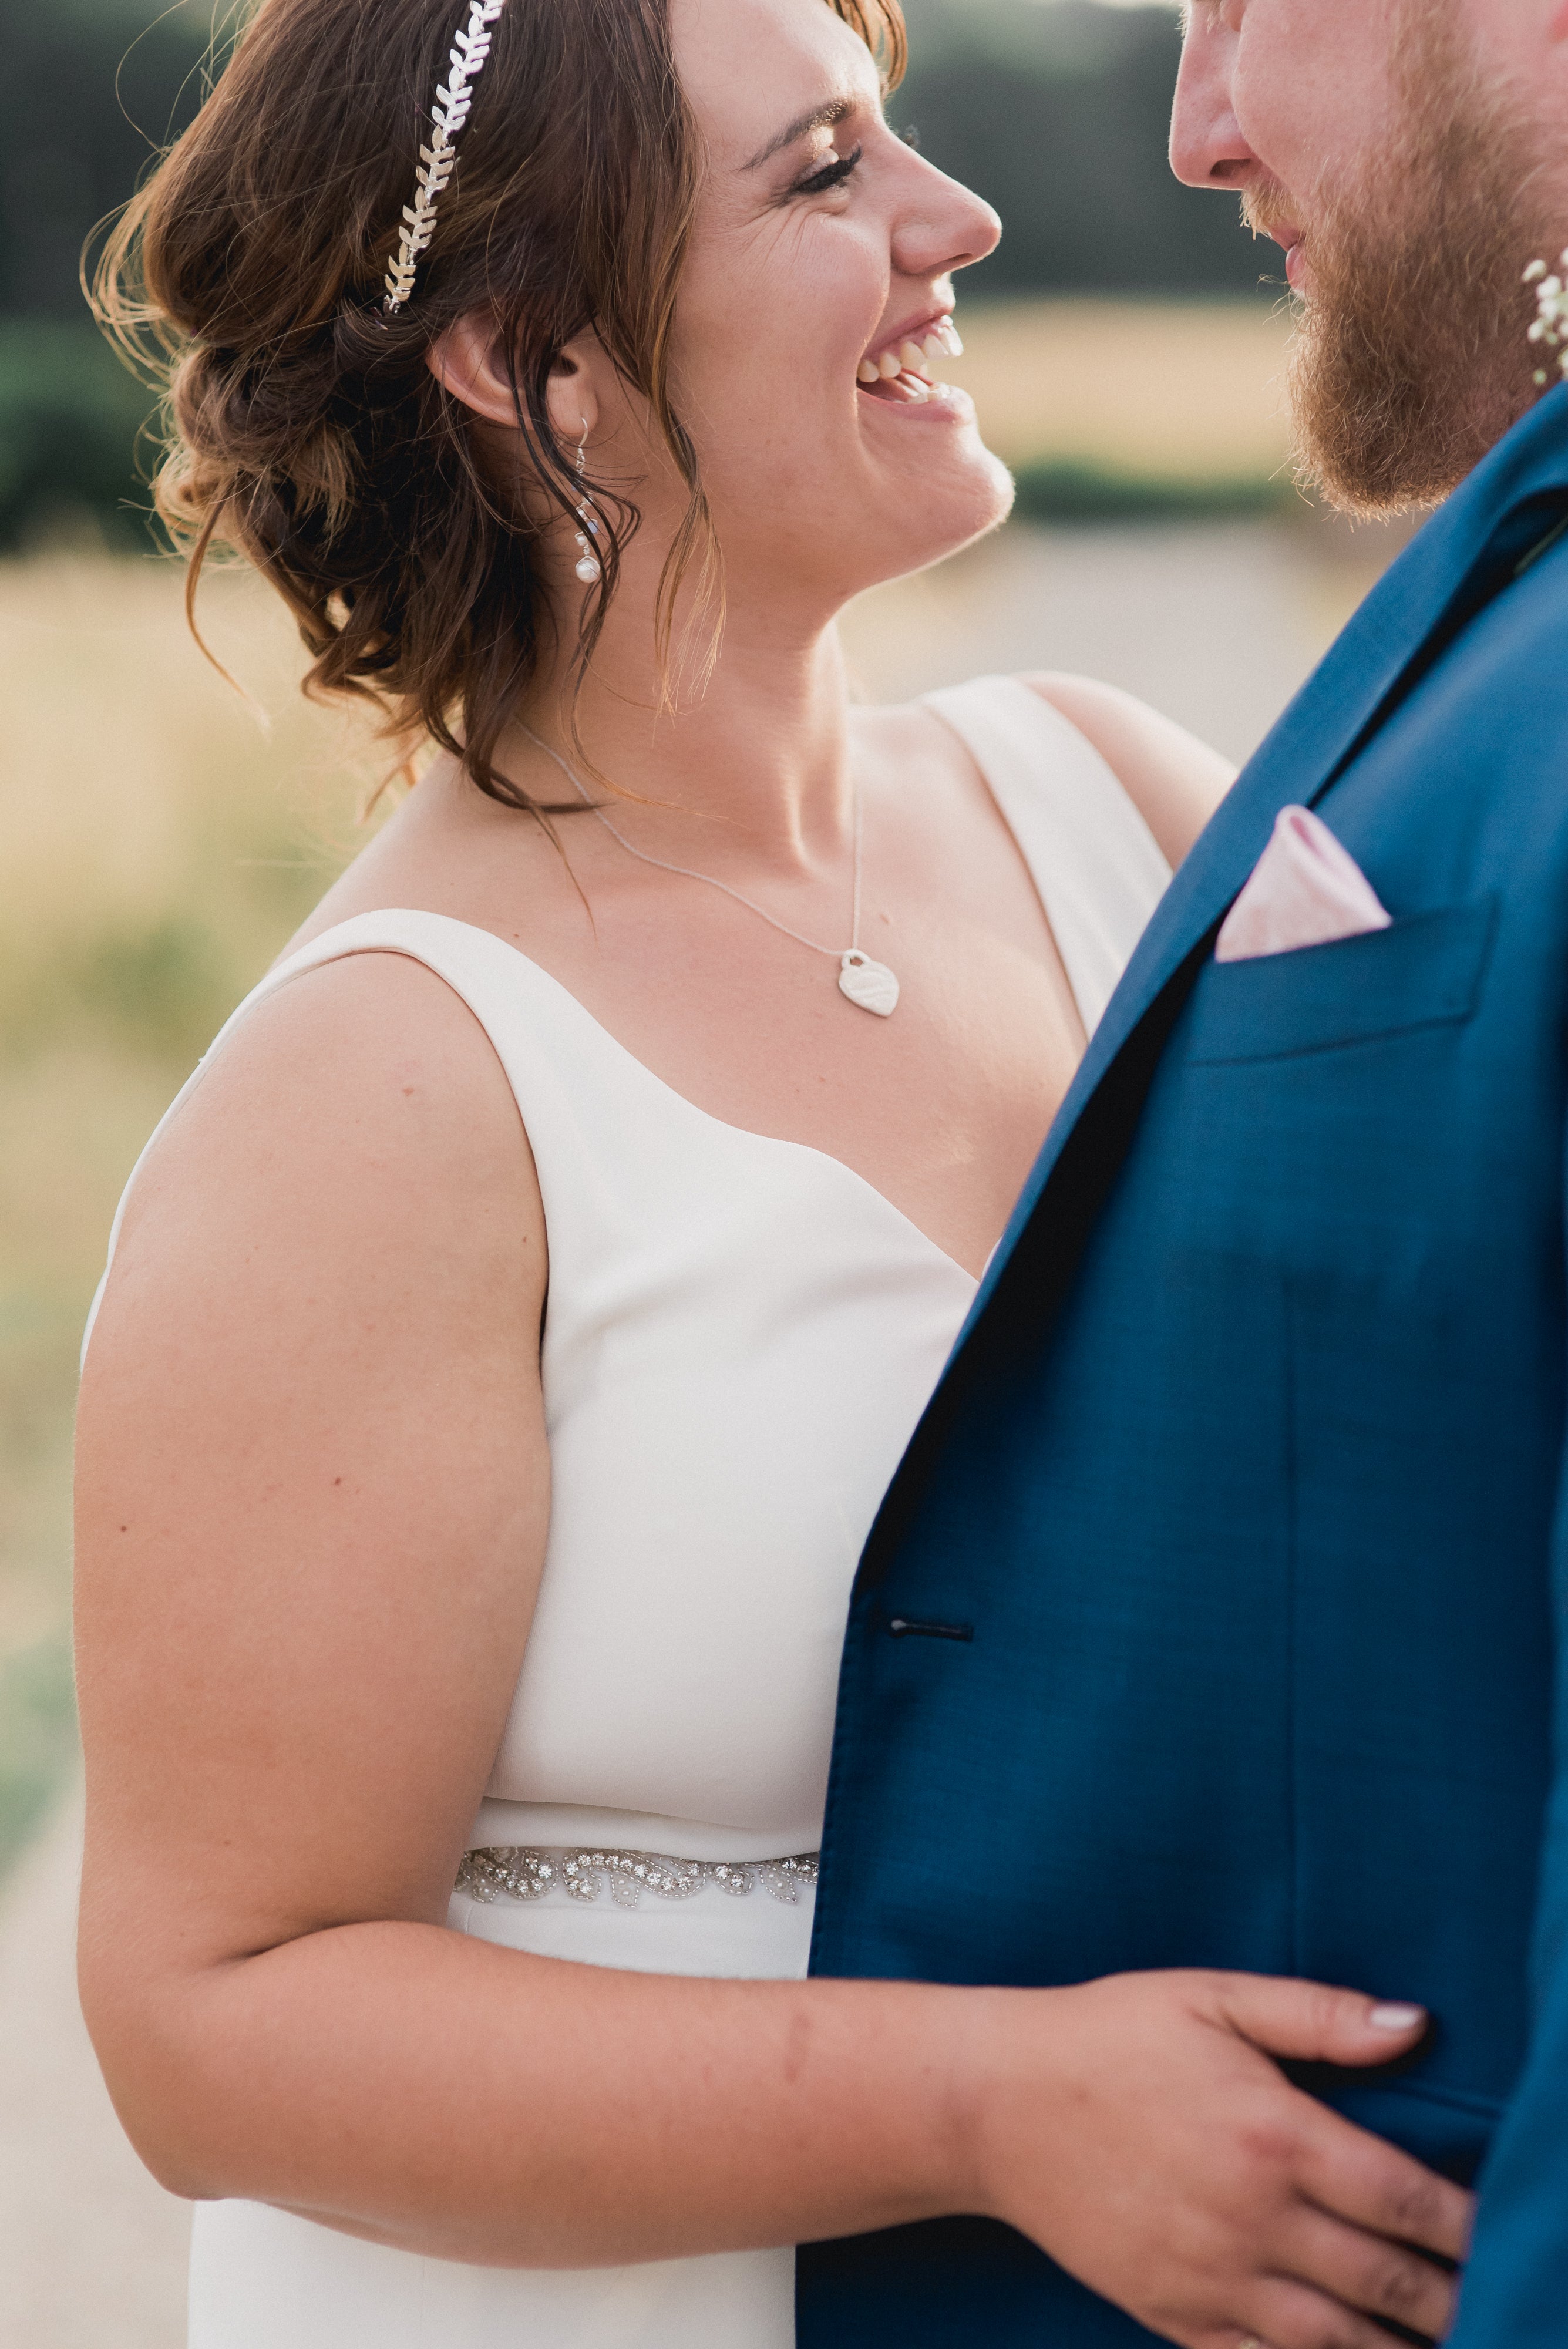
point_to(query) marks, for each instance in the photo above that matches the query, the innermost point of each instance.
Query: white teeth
(913, 360)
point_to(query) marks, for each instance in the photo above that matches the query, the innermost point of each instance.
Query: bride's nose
(944, 226)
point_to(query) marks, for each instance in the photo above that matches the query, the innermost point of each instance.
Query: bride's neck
(752, 765)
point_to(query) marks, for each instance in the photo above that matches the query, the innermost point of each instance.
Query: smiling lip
(913, 330)
(945, 403)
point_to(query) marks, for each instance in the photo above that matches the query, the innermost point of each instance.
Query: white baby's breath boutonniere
(1551, 325)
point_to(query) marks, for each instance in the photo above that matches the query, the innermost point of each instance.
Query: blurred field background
(161, 836)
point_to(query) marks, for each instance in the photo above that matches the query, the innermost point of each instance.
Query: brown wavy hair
(304, 426)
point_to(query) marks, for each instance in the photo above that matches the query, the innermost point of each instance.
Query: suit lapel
(1466, 554)
(1463, 556)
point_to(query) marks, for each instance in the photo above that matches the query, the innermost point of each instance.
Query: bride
(509, 1338)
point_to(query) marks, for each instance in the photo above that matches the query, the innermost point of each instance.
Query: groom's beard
(1411, 359)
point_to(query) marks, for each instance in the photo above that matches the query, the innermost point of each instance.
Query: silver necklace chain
(686, 872)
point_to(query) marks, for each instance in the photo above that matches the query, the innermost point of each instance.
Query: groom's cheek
(1295, 95)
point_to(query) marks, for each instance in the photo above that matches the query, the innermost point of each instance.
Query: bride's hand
(1183, 2177)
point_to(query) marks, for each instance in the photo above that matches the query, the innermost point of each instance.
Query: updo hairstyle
(304, 428)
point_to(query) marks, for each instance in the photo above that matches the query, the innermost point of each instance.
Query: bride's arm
(313, 1501)
(1173, 781)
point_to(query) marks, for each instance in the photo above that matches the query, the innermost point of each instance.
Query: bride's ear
(571, 398)
(469, 360)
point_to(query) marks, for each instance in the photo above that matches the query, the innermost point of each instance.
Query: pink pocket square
(1305, 890)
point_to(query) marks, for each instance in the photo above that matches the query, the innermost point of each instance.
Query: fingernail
(1397, 2018)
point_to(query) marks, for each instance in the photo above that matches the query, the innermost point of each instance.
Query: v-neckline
(672, 1092)
(724, 1125)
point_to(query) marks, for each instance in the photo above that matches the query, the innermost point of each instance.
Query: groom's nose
(1207, 148)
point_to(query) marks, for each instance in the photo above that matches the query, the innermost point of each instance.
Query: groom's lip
(1289, 238)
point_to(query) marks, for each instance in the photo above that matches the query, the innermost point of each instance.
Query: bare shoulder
(358, 1110)
(313, 1476)
(1173, 781)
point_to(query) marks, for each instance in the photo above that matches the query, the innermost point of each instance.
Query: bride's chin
(947, 506)
(942, 534)
(935, 450)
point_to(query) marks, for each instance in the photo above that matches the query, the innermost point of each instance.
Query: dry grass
(142, 797)
(1192, 390)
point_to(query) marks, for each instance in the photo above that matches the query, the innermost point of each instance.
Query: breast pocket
(1426, 972)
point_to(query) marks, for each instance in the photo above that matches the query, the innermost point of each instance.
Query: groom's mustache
(1269, 211)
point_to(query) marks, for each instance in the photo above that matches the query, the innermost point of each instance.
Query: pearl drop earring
(589, 565)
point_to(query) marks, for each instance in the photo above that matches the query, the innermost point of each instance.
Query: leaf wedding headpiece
(471, 47)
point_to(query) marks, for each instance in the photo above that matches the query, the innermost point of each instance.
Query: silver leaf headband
(471, 47)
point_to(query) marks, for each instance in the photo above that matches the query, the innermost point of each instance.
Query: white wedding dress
(741, 1336)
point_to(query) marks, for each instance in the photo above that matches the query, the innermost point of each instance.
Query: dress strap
(507, 994)
(1094, 860)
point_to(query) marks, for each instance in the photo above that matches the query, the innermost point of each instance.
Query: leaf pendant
(869, 984)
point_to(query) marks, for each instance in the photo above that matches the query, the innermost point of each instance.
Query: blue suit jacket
(1244, 1488)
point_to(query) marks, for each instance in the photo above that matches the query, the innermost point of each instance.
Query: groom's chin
(1379, 431)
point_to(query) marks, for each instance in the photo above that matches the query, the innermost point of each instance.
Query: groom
(1218, 1613)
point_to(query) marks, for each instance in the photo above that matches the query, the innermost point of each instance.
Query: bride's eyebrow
(821, 117)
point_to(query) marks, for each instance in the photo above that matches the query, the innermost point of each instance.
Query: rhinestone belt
(511, 1873)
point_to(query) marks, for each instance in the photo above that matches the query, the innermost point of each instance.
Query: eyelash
(832, 175)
